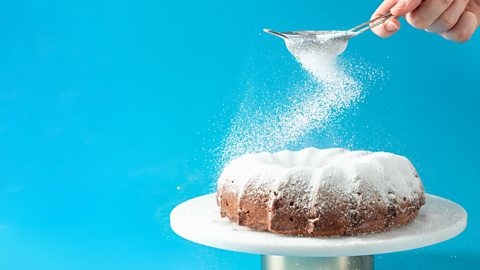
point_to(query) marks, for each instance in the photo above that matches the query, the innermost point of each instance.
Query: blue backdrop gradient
(110, 113)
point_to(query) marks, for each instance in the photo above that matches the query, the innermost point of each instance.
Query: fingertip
(397, 12)
(404, 6)
(387, 29)
(382, 33)
(397, 9)
(384, 8)
(391, 26)
(476, 23)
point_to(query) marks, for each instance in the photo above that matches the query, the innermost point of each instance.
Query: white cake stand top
(199, 221)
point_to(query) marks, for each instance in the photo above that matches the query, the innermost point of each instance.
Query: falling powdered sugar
(317, 53)
(310, 108)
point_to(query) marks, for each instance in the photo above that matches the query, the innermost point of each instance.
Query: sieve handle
(371, 24)
(275, 33)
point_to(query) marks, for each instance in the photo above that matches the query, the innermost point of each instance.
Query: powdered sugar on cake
(380, 174)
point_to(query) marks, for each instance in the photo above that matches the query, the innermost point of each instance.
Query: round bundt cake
(320, 192)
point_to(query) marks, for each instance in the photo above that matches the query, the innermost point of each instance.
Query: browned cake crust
(332, 216)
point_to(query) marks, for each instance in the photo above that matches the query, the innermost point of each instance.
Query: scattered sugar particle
(312, 106)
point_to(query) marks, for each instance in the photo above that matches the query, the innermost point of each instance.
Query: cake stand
(199, 221)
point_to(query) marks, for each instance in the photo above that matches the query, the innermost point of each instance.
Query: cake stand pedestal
(273, 262)
(199, 221)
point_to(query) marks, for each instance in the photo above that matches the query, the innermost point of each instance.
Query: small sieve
(333, 42)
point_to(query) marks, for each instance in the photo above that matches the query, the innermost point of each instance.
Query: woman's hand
(452, 19)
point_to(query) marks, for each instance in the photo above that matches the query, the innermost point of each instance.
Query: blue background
(111, 111)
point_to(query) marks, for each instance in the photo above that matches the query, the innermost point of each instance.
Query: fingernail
(400, 5)
(391, 26)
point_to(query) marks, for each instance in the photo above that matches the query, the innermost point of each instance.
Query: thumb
(390, 26)
(396, 8)
(386, 29)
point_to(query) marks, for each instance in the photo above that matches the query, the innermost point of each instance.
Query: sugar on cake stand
(199, 221)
